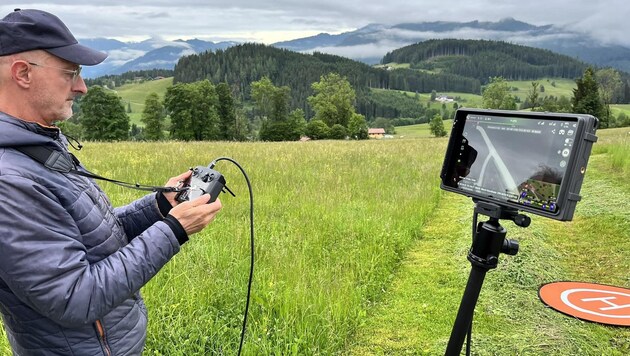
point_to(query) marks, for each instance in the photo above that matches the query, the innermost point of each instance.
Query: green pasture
(136, 94)
(420, 130)
(553, 87)
(358, 252)
(619, 108)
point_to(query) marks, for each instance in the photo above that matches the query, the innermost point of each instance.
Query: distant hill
(149, 54)
(370, 43)
(460, 66)
(481, 60)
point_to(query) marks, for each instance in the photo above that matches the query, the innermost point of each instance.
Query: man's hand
(196, 214)
(179, 182)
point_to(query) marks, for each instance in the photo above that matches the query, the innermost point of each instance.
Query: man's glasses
(75, 73)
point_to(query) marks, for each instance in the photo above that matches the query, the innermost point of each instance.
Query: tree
(206, 119)
(178, 102)
(497, 95)
(296, 124)
(317, 130)
(610, 87)
(226, 112)
(262, 91)
(193, 111)
(338, 132)
(532, 96)
(623, 120)
(103, 116)
(153, 118)
(437, 126)
(136, 133)
(272, 103)
(586, 99)
(71, 128)
(357, 127)
(333, 101)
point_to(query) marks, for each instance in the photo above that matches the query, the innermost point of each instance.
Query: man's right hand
(196, 214)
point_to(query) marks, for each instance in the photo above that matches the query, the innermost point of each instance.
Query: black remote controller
(202, 181)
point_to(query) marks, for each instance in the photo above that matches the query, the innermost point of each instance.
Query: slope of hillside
(134, 95)
(481, 60)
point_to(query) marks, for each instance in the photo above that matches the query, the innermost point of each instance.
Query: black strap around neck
(57, 161)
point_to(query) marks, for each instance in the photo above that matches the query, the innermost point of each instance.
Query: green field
(419, 130)
(136, 94)
(359, 252)
(619, 108)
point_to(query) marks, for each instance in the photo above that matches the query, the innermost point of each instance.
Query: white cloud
(121, 56)
(272, 21)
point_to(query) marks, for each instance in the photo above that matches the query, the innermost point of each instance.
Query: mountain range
(369, 44)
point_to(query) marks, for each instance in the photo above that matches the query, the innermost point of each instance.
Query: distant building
(444, 99)
(376, 133)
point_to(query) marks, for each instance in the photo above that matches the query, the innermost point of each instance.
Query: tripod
(488, 242)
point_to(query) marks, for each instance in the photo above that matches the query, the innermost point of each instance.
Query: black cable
(251, 219)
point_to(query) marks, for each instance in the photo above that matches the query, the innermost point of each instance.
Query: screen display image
(513, 159)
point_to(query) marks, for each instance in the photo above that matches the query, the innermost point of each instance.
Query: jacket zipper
(101, 334)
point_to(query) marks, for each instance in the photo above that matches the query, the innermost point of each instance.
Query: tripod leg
(466, 310)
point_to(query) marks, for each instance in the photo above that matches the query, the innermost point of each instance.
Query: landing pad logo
(589, 301)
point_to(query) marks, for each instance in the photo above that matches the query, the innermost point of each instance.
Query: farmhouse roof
(376, 131)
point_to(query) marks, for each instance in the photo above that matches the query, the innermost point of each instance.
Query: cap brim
(78, 54)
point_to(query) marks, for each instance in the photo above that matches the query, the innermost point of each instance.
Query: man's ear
(21, 73)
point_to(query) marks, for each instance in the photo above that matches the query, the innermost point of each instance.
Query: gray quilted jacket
(71, 266)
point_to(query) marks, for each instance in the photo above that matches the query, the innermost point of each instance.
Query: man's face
(54, 88)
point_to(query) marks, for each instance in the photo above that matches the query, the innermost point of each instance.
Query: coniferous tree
(153, 118)
(103, 116)
(610, 85)
(586, 99)
(227, 113)
(436, 126)
(532, 96)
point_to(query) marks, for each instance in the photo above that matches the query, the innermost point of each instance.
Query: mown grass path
(416, 315)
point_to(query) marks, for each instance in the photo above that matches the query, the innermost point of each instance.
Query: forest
(262, 92)
(440, 65)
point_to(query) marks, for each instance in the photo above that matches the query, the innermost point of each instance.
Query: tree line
(253, 91)
(593, 95)
(482, 60)
(114, 81)
(201, 111)
(243, 64)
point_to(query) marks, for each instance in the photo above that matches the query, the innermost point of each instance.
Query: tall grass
(616, 144)
(416, 315)
(333, 219)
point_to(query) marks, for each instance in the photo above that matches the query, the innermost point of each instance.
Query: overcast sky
(279, 20)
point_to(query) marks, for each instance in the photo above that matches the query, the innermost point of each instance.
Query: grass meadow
(358, 252)
(135, 94)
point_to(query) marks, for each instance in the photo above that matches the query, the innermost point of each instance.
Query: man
(71, 266)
